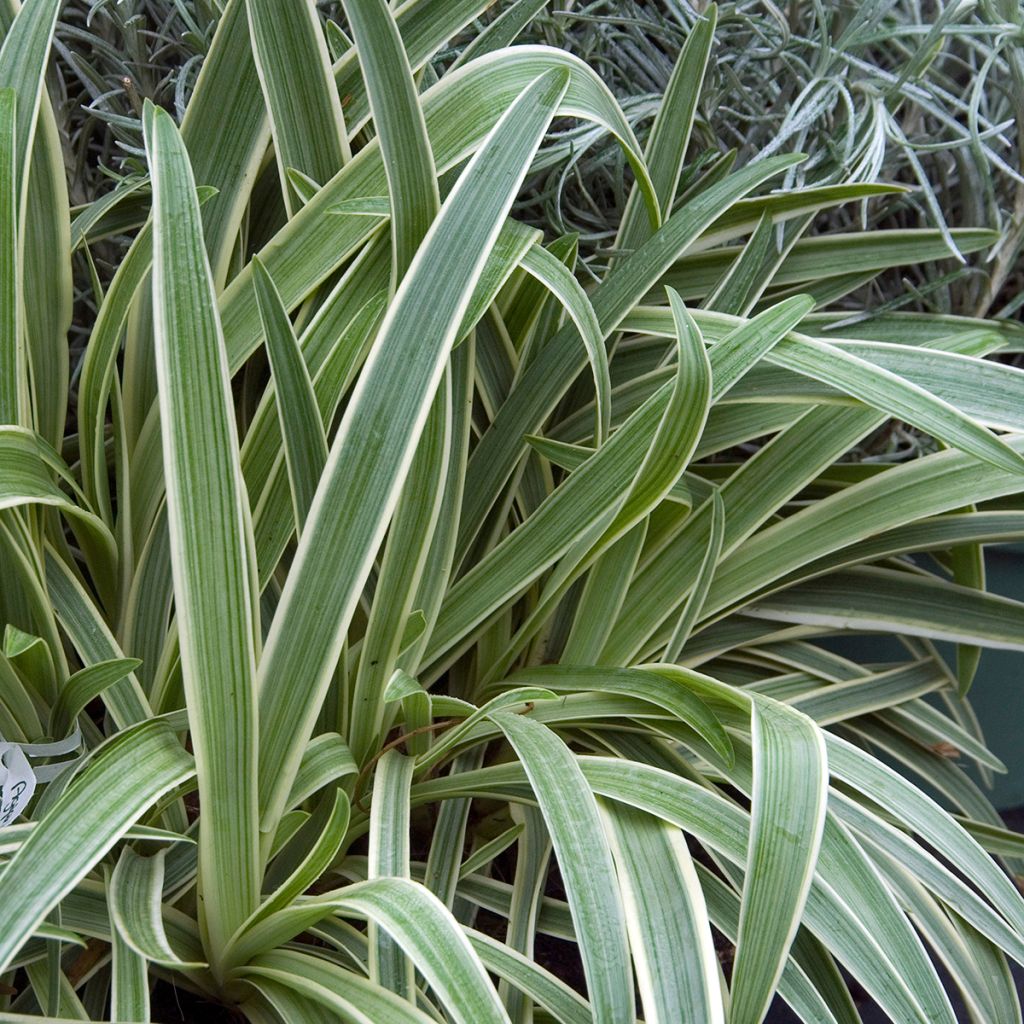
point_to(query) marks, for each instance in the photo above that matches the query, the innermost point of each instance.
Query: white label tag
(18, 779)
(17, 782)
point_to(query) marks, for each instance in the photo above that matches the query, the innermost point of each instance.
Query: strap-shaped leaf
(82, 687)
(487, 852)
(13, 374)
(262, 460)
(305, 444)
(875, 385)
(894, 793)
(988, 391)
(398, 119)
(531, 315)
(977, 966)
(874, 691)
(23, 57)
(227, 131)
(389, 858)
(502, 31)
(129, 981)
(787, 819)
(782, 205)
(346, 994)
(750, 273)
(685, 705)
(847, 871)
(724, 827)
(21, 716)
(36, 183)
(305, 110)
(733, 356)
(29, 654)
(670, 133)
(27, 471)
(851, 872)
(899, 397)
(376, 440)
(695, 600)
(426, 28)
(652, 861)
(91, 637)
(832, 915)
(509, 697)
(401, 574)
(935, 876)
(338, 364)
(924, 487)
(524, 974)
(448, 841)
(750, 341)
(211, 538)
(949, 367)
(326, 759)
(99, 363)
(416, 711)
(334, 337)
(125, 777)
(813, 987)
(752, 494)
(135, 890)
(439, 565)
(824, 256)
(893, 601)
(554, 275)
(667, 455)
(584, 859)
(603, 594)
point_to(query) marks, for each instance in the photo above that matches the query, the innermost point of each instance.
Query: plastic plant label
(17, 782)
(18, 779)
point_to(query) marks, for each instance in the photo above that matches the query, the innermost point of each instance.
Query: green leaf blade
(787, 819)
(305, 444)
(401, 128)
(573, 819)
(306, 119)
(211, 539)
